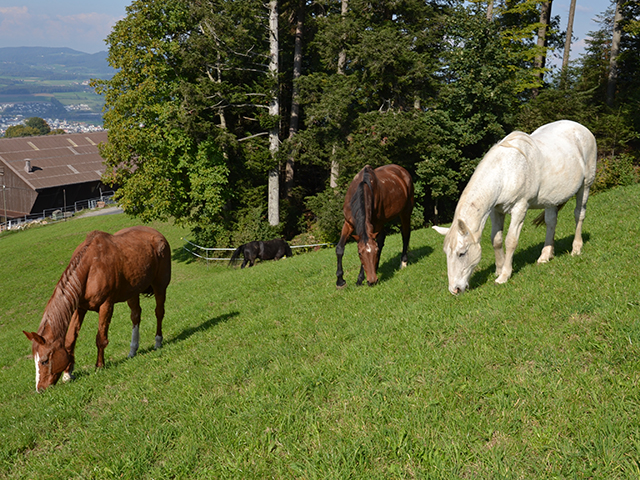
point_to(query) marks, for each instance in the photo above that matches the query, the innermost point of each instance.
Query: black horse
(269, 250)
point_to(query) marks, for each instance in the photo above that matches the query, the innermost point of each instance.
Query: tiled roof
(55, 159)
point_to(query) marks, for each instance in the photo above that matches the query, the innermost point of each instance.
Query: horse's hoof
(68, 377)
(340, 286)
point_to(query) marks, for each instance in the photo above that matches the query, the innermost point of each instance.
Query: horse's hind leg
(406, 235)
(136, 313)
(161, 296)
(551, 219)
(102, 339)
(70, 341)
(580, 212)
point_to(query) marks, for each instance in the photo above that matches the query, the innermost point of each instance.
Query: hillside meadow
(270, 372)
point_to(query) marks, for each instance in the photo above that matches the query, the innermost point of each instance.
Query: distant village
(16, 113)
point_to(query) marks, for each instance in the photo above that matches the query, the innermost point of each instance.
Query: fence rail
(222, 249)
(57, 214)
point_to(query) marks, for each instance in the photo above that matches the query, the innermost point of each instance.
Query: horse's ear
(34, 337)
(441, 230)
(462, 228)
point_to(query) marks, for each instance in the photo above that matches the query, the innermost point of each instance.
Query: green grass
(270, 372)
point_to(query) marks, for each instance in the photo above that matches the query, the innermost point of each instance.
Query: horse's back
(568, 163)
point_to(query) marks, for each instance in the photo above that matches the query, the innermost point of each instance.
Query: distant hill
(53, 63)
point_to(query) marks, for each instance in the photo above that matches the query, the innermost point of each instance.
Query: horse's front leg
(551, 219)
(102, 339)
(360, 276)
(136, 314)
(511, 241)
(380, 241)
(497, 227)
(70, 342)
(344, 235)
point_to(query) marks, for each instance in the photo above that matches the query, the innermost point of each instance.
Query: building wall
(18, 195)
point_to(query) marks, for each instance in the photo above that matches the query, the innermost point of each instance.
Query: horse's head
(463, 254)
(368, 252)
(51, 359)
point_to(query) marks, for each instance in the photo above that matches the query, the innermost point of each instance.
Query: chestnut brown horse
(104, 270)
(374, 198)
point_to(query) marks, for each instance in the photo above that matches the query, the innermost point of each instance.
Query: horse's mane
(66, 294)
(359, 207)
(515, 135)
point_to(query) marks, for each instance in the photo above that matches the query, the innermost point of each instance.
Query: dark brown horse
(104, 270)
(374, 198)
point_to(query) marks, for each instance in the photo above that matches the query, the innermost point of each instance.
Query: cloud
(81, 31)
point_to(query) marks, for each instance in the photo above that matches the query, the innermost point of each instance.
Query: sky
(84, 24)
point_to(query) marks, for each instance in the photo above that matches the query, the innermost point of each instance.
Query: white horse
(541, 170)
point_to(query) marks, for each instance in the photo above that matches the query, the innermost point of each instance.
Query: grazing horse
(374, 198)
(541, 170)
(269, 250)
(104, 270)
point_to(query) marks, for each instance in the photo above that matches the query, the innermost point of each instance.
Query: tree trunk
(541, 58)
(274, 110)
(567, 45)
(295, 100)
(342, 60)
(613, 59)
(490, 10)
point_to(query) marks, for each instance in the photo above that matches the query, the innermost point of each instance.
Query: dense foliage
(429, 85)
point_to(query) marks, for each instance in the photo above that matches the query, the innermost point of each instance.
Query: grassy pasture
(270, 372)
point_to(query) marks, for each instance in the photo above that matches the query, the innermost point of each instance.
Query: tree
(39, 124)
(274, 111)
(162, 168)
(567, 43)
(615, 50)
(31, 127)
(20, 131)
(541, 56)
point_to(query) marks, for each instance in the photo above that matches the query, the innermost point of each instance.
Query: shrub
(326, 207)
(615, 171)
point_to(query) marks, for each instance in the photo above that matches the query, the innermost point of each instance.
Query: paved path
(102, 211)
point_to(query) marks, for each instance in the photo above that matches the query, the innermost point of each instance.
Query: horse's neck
(65, 300)
(475, 205)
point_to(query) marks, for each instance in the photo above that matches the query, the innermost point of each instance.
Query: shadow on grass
(184, 335)
(388, 269)
(212, 322)
(182, 256)
(525, 257)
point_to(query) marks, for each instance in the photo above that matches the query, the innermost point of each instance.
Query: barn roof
(55, 160)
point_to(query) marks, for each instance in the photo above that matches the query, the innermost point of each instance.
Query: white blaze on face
(36, 358)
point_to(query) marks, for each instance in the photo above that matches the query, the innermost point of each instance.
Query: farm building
(49, 172)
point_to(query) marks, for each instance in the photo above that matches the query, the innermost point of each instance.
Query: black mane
(359, 207)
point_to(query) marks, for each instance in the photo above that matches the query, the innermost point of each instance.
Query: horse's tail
(234, 258)
(358, 204)
(539, 220)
